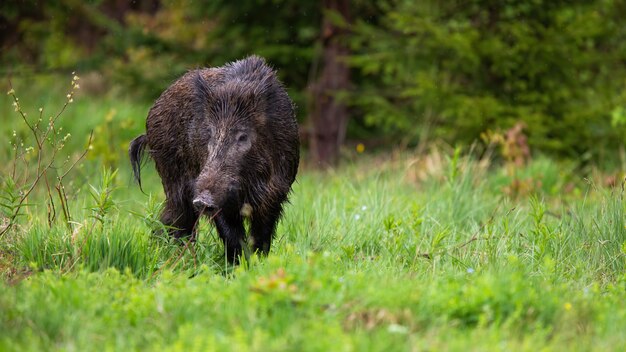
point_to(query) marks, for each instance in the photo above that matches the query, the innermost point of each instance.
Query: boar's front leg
(179, 218)
(262, 230)
(231, 231)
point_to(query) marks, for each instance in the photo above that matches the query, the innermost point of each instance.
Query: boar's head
(228, 143)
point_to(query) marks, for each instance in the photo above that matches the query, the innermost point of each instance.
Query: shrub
(460, 68)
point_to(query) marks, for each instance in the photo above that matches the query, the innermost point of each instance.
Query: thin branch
(25, 196)
(19, 110)
(80, 157)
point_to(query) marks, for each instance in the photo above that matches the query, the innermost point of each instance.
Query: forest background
(377, 74)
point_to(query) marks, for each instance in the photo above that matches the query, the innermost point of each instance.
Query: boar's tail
(136, 154)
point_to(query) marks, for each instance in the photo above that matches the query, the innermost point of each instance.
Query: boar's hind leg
(232, 232)
(262, 230)
(180, 219)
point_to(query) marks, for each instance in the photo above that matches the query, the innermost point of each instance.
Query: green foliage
(35, 163)
(386, 266)
(146, 50)
(460, 68)
(9, 197)
(213, 33)
(423, 70)
(415, 252)
(101, 196)
(418, 251)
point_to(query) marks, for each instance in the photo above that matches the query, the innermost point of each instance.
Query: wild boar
(225, 144)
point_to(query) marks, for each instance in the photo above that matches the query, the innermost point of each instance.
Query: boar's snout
(204, 202)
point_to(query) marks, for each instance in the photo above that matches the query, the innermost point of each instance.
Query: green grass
(378, 255)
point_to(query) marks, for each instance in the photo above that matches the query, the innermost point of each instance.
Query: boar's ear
(260, 100)
(202, 93)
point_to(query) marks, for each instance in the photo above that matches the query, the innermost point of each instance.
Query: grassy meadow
(393, 251)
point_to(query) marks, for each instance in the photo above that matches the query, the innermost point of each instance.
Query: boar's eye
(242, 138)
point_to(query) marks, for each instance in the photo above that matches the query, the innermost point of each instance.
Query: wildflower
(40, 109)
(11, 92)
(357, 216)
(567, 306)
(360, 148)
(71, 100)
(364, 208)
(470, 270)
(75, 78)
(69, 96)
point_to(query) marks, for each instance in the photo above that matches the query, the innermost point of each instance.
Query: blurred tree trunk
(329, 116)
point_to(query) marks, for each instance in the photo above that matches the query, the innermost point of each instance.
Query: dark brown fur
(225, 143)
